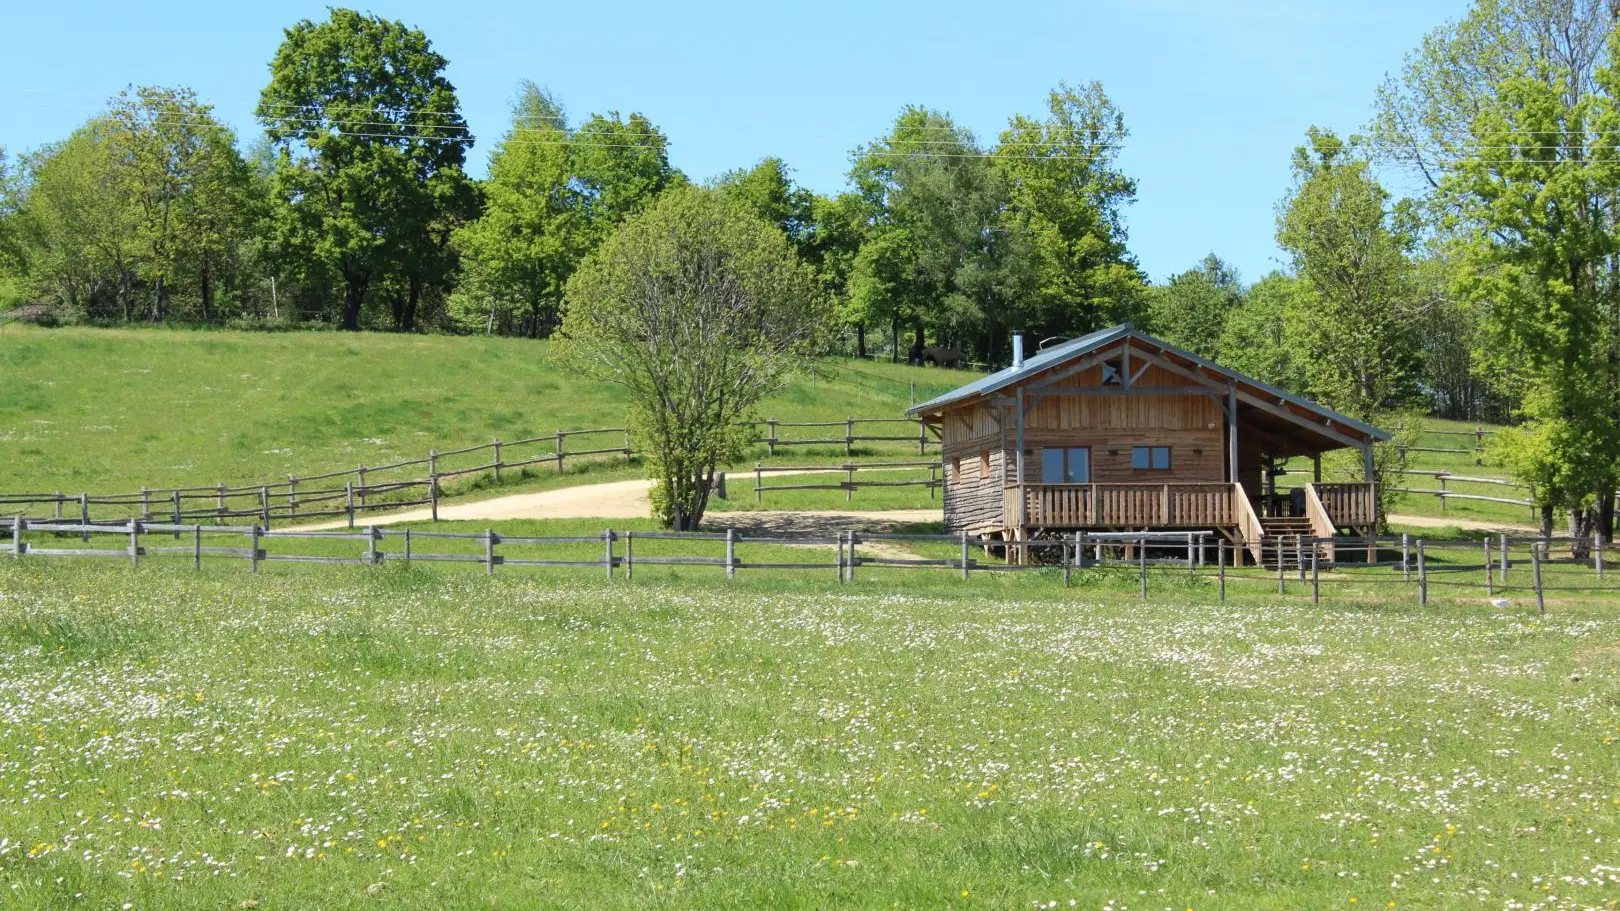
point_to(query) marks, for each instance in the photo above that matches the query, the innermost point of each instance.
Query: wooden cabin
(1119, 432)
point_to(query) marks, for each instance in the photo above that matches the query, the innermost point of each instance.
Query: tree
(553, 194)
(180, 170)
(75, 233)
(1192, 308)
(1066, 199)
(700, 309)
(770, 193)
(1357, 336)
(933, 258)
(1338, 226)
(1255, 337)
(369, 141)
(1509, 116)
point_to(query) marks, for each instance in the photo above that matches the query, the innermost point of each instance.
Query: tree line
(1492, 292)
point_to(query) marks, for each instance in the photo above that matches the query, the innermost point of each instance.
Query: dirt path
(1467, 524)
(629, 500)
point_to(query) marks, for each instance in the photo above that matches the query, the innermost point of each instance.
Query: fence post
(348, 501)
(1423, 576)
(497, 445)
(932, 481)
(292, 496)
(922, 428)
(1220, 555)
(770, 439)
(840, 560)
(134, 542)
(759, 480)
(16, 537)
(1535, 565)
(853, 559)
(629, 556)
(220, 501)
(1504, 548)
(489, 551)
(433, 482)
(1406, 557)
(372, 534)
(1490, 588)
(731, 553)
(84, 517)
(1316, 580)
(965, 561)
(627, 447)
(849, 487)
(559, 448)
(264, 505)
(1068, 558)
(196, 547)
(253, 547)
(1141, 561)
(1299, 555)
(360, 478)
(1282, 585)
(607, 536)
(407, 548)
(849, 437)
(1597, 550)
(176, 513)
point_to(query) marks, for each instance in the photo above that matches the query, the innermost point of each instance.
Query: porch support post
(1367, 462)
(1231, 435)
(1316, 468)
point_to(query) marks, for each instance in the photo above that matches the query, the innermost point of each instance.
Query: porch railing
(1353, 503)
(1186, 505)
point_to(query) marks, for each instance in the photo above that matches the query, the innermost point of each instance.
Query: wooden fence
(926, 435)
(849, 485)
(344, 494)
(1502, 565)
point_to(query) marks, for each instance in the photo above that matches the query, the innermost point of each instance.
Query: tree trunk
(354, 295)
(1546, 521)
(894, 340)
(412, 300)
(160, 301)
(1582, 522)
(1605, 516)
(860, 340)
(207, 287)
(917, 328)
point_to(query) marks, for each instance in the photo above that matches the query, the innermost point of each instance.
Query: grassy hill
(110, 410)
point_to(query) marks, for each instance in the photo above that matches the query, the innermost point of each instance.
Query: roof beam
(1255, 401)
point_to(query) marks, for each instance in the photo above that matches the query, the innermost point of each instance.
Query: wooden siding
(972, 494)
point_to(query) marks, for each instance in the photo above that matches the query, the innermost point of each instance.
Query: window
(1150, 458)
(956, 467)
(1066, 466)
(1111, 371)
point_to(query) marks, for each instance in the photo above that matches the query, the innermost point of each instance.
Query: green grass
(108, 410)
(430, 738)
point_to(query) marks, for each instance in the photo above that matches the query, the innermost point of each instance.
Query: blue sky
(1216, 94)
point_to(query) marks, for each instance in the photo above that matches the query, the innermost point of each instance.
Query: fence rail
(849, 484)
(1558, 565)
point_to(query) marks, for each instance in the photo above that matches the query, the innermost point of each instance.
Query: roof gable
(1059, 355)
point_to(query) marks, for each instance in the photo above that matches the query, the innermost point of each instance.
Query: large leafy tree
(1508, 114)
(370, 146)
(1255, 338)
(180, 170)
(1191, 309)
(1340, 229)
(932, 254)
(1065, 199)
(554, 193)
(699, 308)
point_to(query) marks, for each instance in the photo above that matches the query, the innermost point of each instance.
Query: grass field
(111, 410)
(435, 739)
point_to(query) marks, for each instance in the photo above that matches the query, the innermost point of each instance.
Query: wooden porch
(1217, 506)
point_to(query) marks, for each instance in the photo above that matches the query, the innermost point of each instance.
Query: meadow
(433, 738)
(110, 410)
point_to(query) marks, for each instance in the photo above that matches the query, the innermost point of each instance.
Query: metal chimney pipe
(1018, 348)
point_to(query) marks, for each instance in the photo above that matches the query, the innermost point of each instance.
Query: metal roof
(1067, 351)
